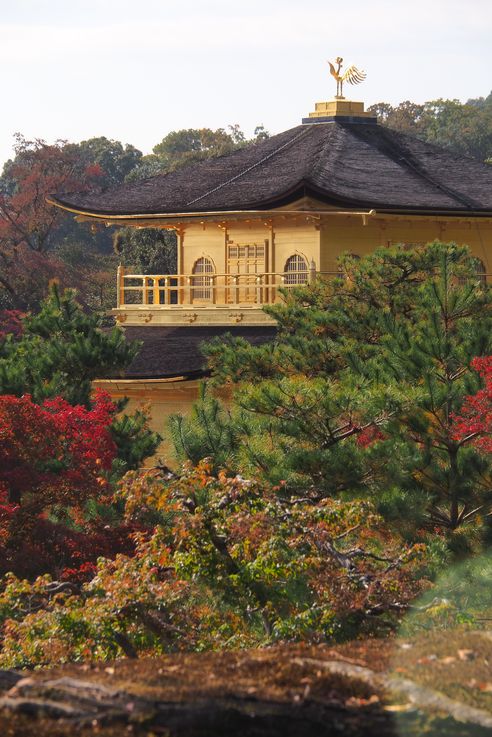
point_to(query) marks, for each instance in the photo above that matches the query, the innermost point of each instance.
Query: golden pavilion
(276, 214)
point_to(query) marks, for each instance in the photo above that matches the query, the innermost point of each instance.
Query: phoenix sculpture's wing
(354, 75)
(333, 71)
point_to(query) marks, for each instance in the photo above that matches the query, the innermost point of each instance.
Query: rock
(9, 678)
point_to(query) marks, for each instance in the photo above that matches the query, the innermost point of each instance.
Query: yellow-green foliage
(229, 564)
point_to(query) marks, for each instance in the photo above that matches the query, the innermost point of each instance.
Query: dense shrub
(230, 563)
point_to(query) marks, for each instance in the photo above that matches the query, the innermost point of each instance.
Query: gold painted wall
(295, 237)
(205, 240)
(283, 237)
(341, 234)
(255, 231)
(324, 242)
(288, 235)
(163, 398)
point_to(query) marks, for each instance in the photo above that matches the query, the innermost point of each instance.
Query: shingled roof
(171, 352)
(348, 164)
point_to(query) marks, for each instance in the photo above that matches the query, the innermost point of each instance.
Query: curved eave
(283, 198)
(348, 206)
(98, 215)
(155, 376)
(383, 208)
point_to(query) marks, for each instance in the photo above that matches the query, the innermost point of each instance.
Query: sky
(133, 70)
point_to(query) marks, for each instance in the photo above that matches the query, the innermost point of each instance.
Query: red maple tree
(53, 454)
(28, 222)
(474, 423)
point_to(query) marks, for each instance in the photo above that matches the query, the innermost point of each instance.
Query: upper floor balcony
(207, 297)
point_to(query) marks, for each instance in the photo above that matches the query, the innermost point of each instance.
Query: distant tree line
(462, 127)
(39, 242)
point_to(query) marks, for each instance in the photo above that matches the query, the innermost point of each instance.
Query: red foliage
(51, 454)
(55, 454)
(369, 435)
(474, 423)
(94, 172)
(11, 323)
(38, 171)
(28, 222)
(66, 554)
(55, 451)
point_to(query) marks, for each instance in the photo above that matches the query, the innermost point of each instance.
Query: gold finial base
(339, 106)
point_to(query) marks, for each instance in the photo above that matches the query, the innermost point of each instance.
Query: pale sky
(134, 70)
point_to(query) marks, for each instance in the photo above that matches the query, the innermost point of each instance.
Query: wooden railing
(168, 290)
(211, 289)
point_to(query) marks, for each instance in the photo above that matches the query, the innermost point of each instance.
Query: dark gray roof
(169, 352)
(353, 165)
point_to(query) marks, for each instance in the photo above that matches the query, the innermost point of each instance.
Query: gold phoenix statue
(352, 75)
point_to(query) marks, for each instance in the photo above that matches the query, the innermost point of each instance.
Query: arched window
(478, 267)
(201, 284)
(343, 272)
(296, 270)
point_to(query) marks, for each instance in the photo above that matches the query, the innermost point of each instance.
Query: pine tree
(207, 433)
(134, 439)
(359, 392)
(61, 351)
(443, 478)
(320, 324)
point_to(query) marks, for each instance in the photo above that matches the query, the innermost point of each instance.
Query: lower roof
(172, 352)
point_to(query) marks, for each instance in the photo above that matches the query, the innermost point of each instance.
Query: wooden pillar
(271, 293)
(312, 271)
(181, 292)
(120, 295)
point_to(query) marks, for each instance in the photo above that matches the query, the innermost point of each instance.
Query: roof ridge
(462, 199)
(319, 155)
(199, 163)
(440, 148)
(301, 133)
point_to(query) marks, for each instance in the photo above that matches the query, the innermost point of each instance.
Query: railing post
(281, 285)
(312, 272)
(156, 298)
(271, 291)
(236, 289)
(120, 292)
(258, 290)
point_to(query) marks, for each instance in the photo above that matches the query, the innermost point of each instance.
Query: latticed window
(201, 283)
(249, 252)
(245, 264)
(478, 267)
(296, 270)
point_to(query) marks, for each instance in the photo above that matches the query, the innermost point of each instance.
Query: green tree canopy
(189, 145)
(359, 392)
(463, 127)
(147, 250)
(61, 351)
(115, 159)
